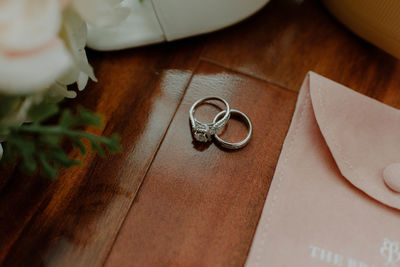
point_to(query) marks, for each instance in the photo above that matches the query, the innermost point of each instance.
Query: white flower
(74, 32)
(101, 13)
(32, 56)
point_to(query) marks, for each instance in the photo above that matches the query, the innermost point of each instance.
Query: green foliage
(7, 104)
(39, 146)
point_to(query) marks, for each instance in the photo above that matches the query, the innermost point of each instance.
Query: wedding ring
(203, 132)
(240, 144)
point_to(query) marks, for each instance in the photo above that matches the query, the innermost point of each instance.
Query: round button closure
(391, 176)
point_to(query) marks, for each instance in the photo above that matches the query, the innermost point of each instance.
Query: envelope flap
(362, 134)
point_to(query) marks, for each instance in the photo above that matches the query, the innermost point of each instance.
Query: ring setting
(203, 132)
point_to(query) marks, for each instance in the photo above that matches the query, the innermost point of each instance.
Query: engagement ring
(203, 132)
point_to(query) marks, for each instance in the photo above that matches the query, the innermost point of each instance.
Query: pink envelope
(328, 204)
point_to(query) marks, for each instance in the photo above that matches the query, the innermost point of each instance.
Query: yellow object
(377, 21)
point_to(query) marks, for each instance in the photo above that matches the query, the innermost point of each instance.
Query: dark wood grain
(73, 221)
(290, 37)
(199, 205)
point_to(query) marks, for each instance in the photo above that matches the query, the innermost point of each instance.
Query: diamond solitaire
(203, 132)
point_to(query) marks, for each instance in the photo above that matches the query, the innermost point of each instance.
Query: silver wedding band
(236, 145)
(203, 132)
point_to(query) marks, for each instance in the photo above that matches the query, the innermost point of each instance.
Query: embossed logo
(391, 251)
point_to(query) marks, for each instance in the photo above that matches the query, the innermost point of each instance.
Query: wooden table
(165, 200)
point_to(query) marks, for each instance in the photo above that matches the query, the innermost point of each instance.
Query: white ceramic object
(154, 21)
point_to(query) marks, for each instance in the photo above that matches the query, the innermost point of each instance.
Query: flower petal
(29, 73)
(74, 32)
(27, 24)
(82, 81)
(58, 92)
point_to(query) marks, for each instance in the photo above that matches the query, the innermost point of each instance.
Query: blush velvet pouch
(328, 204)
